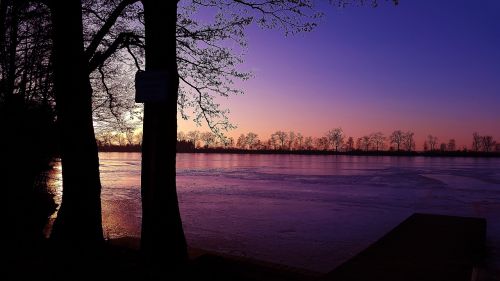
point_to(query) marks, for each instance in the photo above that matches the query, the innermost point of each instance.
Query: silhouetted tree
(27, 122)
(350, 144)
(365, 143)
(120, 139)
(488, 143)
(322, 143)
(299, 142)
(335, 138)
(181, 136)
(241, 142)
(130, 136)
(291, 140)
(452, 145)
(442, 147)
(432, 140)
(26, 141)
(272, 142)
(359, 144)
(160, 209)
(41, 37)
(308, 143)
(477, 142)
(280, 138)
(408, 141)
(25, 53)
(113, 40)
(194, 137)
(377, 140)
(229, 142)
(397, 138)
(252, 140)
(138, 138)
(105, 138)
(209, 138)
(79, 218)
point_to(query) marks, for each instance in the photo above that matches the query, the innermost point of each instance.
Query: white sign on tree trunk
(151, 86)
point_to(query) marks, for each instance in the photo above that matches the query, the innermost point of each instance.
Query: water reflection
(305, 211)
(120, 194)
(54, 186)
(55, 183)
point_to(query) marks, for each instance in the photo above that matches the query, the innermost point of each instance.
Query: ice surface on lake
(306, 211)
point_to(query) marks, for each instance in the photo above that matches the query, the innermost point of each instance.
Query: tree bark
(79, 218)
(162, 232)
(12, 50)
(3, 24)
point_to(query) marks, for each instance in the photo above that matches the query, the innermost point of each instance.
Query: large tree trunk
(79, 218)
(162, 233)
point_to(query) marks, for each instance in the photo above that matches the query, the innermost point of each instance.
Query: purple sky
(429, 66)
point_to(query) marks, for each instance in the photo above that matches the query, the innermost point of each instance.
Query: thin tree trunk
(162, 232)
(12, 50)
(3, 24)
(79, 218)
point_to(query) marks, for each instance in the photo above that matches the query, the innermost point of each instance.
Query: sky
(428, 66)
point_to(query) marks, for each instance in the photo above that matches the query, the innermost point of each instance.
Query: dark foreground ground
(118, 262)
(423, 247)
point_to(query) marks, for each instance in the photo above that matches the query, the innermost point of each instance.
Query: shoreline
(467, 154)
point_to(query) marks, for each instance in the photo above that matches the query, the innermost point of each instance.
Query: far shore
(436, 153)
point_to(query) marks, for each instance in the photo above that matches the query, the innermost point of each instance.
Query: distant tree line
(480, 143)
(333, 140)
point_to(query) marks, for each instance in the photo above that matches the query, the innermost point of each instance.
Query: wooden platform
(424, 248)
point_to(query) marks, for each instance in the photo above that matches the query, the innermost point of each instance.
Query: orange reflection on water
(54, 186)
(120, 193)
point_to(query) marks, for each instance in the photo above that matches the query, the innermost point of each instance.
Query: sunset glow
(251, 139)
(431, 67)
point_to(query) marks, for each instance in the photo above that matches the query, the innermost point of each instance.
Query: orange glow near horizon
(361, 72)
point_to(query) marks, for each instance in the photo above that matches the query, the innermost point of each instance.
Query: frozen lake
(307, 211)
